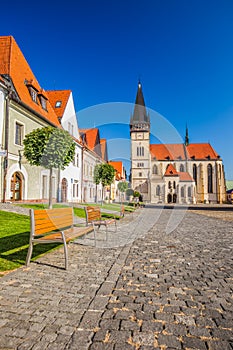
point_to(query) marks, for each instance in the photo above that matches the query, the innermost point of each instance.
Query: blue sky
(181, 50)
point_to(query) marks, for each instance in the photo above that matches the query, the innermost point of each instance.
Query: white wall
(69, 121)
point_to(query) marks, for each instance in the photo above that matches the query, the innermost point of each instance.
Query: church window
(140, 165)
(174, 184)
(169, 184)
(155, 169)
(182, 192)
(220, 171)
(140, 151)
(189, 192)
(140, 174)
(210, 178)
(181, 168)
(158, 190)
(195, 173)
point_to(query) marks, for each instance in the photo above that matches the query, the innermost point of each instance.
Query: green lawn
(14, 237)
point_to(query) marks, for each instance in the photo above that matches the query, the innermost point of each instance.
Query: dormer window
(58, 104)
(43, 101)
(32, 90)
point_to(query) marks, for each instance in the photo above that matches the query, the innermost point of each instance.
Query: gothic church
(186, 173)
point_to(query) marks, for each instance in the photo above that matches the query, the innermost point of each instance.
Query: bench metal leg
(29, 254)
(65, 250)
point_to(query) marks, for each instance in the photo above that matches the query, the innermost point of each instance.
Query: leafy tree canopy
(104, 173)
(49, 147)
(122, 186)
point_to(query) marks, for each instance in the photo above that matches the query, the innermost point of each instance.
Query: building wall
(69, 120)
(31, 176)
(73, 175)
(140, 161)
(89, 188)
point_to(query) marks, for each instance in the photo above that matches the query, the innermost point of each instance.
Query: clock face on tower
(139, 136)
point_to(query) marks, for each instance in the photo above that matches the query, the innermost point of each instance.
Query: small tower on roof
(186, 137)
(140, 120)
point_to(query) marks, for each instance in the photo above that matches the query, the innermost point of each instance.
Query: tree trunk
(102, 194)
(50, 188)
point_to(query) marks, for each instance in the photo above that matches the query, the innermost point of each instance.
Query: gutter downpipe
(5, 166)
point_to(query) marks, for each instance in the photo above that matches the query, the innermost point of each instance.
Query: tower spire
(140, 119)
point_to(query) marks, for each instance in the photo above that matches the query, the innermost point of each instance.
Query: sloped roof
(103, 147)
(14, 64)
(118, 166)
(178, 151)
(168, 151)
(92, 137)
(59, 96)
(201, 151)
(139, 115)
(171, 171)
(185, 177)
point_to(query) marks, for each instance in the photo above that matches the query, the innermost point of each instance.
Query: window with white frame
(19, 134)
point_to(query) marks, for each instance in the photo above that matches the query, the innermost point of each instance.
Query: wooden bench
(94, 217)
(53, 226)
(123, 212)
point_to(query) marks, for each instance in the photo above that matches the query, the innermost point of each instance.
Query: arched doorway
(169, 198)
(16, 186)
(64, 187)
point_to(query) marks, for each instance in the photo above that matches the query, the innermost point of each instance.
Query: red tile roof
(92, 137)
(186, 177)
(201, 151)
(13, 63)
(103, 147)
(168, 151)
(59, 96)
(171, 171)
(118, 166)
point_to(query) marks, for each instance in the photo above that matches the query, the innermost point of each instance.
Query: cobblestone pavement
(160, 291)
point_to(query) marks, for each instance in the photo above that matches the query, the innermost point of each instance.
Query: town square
(116, 175)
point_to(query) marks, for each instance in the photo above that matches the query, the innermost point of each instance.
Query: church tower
(140, 146)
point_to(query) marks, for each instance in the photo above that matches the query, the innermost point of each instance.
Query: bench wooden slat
(45, 221)
(93, 216)
(48, 226)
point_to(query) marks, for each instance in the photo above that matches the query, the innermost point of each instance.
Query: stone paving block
(90, 320)
(180, 280)
(170, 341)
(144, 339)
(194, 343)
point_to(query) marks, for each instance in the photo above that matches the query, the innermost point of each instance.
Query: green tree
(104, 173)
(50, 148)
(122, 187)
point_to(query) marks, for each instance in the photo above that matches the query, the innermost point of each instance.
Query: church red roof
(200, 151)
(168, 151)
(171, 171)
(186, 177)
